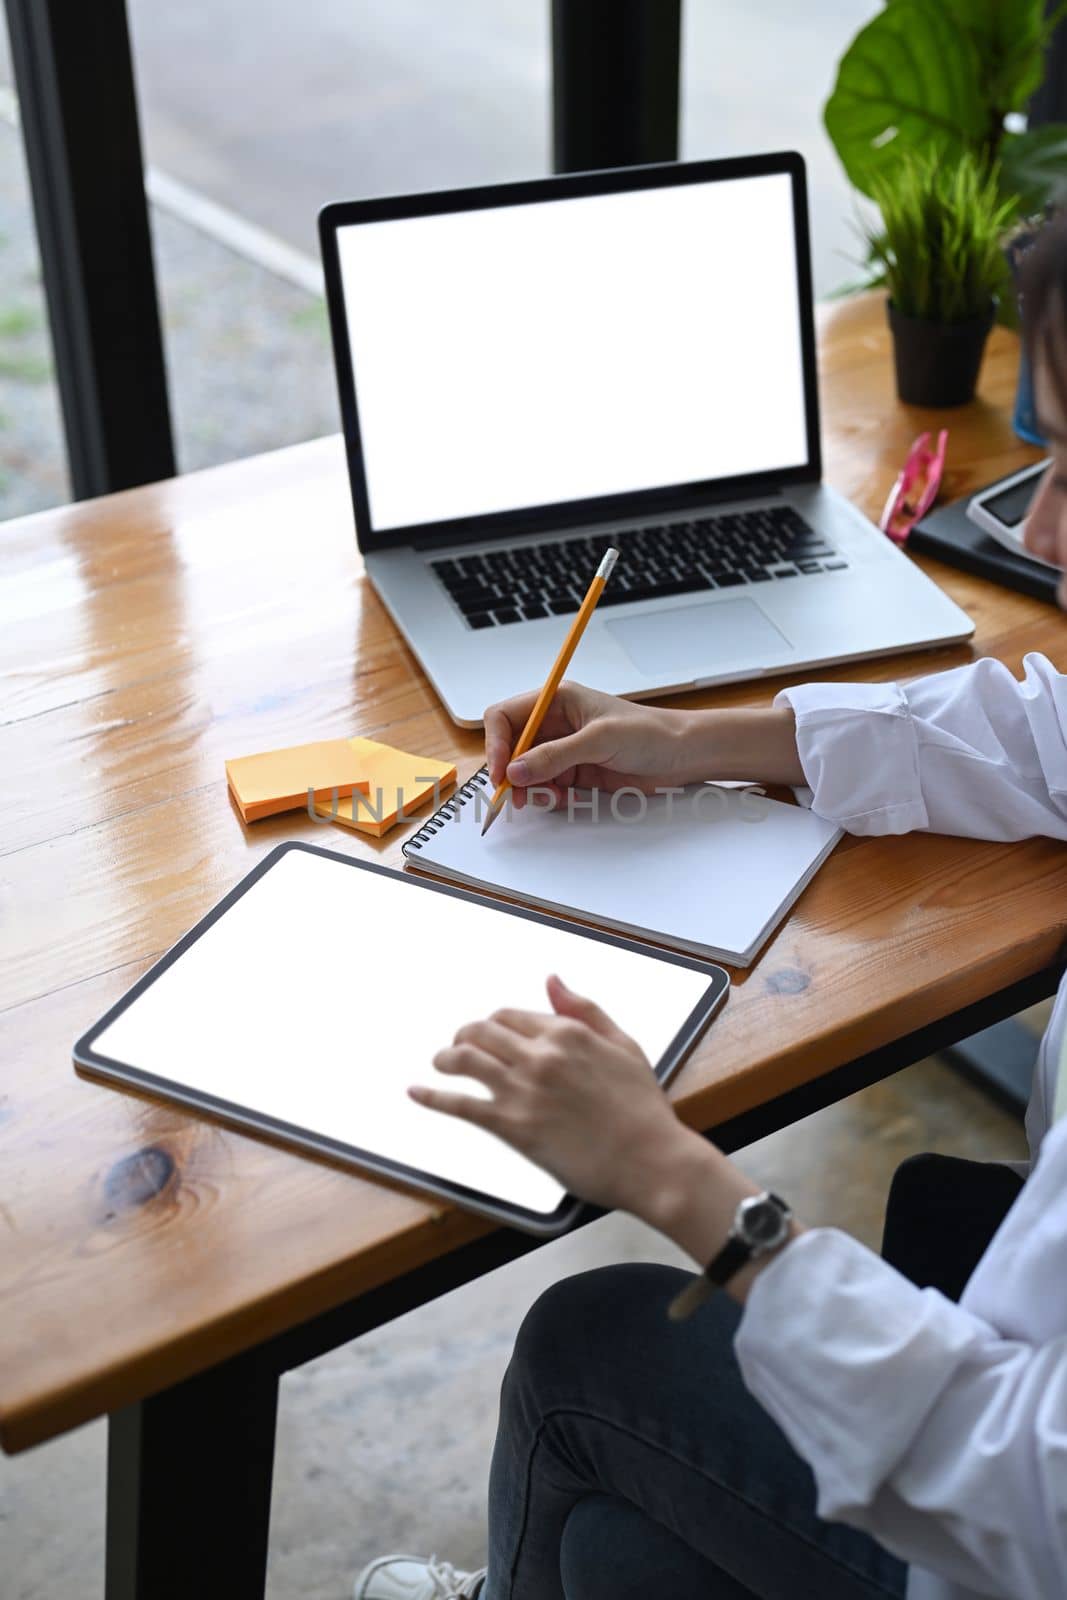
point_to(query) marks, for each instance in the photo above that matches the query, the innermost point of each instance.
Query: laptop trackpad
(684, 642)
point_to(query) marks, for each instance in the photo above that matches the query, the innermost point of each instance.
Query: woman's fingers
(480, 1112)
(492, 1037)
(466, 1060)
(555, 761)
(505, 721)
(503, 724)
(541, 794)
(530, 1024)
(568, 1004)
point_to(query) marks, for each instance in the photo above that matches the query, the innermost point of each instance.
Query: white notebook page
(707, 869)
(324, 991)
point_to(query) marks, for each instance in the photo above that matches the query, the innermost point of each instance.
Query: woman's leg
(604, 1396)
(612, 1551)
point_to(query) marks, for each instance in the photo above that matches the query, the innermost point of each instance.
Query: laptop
(532, 372)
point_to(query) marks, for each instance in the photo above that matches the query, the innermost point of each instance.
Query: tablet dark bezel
(1008, 484)
(508, 522)
(87, 1060)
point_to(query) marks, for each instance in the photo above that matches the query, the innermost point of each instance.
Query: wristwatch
(760, 1226)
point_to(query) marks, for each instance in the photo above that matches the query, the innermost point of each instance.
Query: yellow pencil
(555, 677)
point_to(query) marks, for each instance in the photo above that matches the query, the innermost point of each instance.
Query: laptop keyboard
(531, 581)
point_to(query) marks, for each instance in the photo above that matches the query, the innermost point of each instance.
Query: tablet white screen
(324, 991)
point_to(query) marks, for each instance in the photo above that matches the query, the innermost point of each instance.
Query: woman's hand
(588, 740)
(591, 740)
(572, 1092)
(577, 1095)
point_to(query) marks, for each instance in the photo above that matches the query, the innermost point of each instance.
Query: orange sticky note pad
(399, 784)
(279, 780)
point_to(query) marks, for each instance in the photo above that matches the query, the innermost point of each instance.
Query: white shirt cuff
(848, 1356)
(860, 754)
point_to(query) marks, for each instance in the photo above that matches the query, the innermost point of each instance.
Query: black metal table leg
(188, 1487)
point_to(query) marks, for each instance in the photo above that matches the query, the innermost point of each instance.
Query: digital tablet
(306, 1001)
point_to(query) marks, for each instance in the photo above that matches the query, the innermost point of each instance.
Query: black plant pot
(937, 362)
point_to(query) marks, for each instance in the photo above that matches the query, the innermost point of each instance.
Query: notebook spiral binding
(450, 809)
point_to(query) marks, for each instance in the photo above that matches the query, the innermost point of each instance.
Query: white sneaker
(416, 1578)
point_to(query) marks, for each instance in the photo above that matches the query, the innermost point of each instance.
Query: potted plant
(939, 251)
(952, 78)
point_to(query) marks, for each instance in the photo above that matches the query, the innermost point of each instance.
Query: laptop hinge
(435, 541)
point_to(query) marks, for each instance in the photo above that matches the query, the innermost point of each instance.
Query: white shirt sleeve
(923, 1426)
(972, 752)
(924, 1423)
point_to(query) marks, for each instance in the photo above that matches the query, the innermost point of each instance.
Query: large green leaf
(1033, 165)
(1009, 36)
(910, 79)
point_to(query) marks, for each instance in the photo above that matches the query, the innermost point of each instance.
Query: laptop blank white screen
(527, 355)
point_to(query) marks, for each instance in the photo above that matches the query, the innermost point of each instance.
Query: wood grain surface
(148, 636)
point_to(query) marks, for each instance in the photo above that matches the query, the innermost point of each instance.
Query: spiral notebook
(706, 869)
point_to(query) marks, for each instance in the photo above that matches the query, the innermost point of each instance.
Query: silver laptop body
(529, 372)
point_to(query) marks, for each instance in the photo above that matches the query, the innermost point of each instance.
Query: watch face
(764, 1223)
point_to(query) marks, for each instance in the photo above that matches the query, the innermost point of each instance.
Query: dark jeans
(631, 1460)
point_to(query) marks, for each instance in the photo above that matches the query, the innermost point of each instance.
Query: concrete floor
(384, 1444)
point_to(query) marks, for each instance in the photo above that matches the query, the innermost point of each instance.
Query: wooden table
(147, 637)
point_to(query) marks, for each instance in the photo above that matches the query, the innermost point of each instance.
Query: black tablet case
(950, 536)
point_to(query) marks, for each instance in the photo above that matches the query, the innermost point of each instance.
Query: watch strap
(730, 1259)
(697, 1290)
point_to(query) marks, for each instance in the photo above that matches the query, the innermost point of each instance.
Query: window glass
(756, 77)
(33, 471)
(254, 114)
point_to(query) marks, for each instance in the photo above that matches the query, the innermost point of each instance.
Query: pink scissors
(916, 488)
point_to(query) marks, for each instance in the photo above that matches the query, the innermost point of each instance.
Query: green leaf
(1034, 166)
(910, 80)
(1009, 37)
(939, 242)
